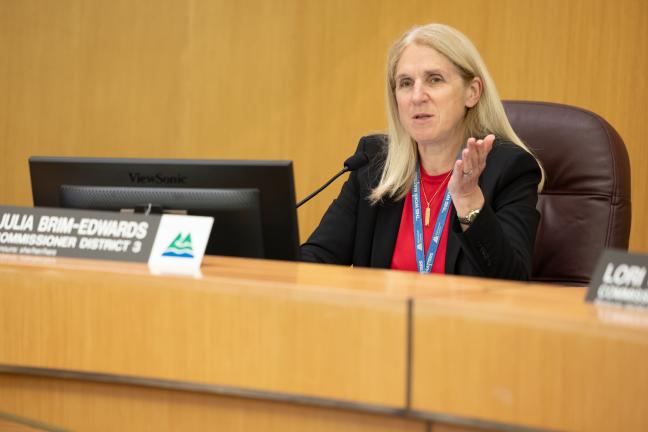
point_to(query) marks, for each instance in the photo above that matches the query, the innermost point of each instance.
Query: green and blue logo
(180, 247)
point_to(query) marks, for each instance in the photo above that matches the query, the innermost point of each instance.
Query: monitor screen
(252, 202)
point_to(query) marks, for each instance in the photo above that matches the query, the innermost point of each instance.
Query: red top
(404, 257)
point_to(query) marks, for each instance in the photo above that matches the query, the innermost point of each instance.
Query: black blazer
(498, 244)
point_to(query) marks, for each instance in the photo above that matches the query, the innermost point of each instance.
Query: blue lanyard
(424, 264)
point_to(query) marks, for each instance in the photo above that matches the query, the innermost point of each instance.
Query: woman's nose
(418, 92)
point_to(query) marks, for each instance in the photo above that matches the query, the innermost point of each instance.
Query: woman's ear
(474, 92)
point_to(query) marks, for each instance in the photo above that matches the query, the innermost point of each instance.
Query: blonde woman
(452, 189)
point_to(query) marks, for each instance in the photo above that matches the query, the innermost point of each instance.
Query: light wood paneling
(287, 79)
(482, 352)
(537, 357)
(86, 406)
(332, 333)
(240, 328)
(16, 426)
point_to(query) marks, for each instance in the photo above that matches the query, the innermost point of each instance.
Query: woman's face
(432, 96)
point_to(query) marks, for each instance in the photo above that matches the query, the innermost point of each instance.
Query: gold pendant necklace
(427, 202)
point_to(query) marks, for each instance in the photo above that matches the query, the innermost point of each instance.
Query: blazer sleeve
(333, 241)
(500, 242)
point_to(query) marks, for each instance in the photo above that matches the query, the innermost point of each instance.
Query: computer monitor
(252, 202)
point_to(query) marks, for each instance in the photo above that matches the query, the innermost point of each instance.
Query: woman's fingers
(475, 154)
(471, 164)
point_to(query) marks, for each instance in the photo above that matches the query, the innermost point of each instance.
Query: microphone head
(358, 160)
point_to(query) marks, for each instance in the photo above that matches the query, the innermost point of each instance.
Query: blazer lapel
(388, 219)
(452, 247)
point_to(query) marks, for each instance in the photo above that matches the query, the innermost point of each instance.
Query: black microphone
(358, 160)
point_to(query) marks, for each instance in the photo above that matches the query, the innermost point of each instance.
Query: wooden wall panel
(536, 367)
(88, 406)
(290, 79)
(274, 332)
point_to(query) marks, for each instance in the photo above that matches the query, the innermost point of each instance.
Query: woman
(453, 190)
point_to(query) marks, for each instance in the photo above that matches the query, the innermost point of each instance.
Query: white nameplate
(180, 244)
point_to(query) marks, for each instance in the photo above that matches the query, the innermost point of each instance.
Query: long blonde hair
(486, 117)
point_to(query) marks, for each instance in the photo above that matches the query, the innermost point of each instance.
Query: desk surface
(427, 346)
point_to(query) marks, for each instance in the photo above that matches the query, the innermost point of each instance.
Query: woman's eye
(404, 83)
(435, 79)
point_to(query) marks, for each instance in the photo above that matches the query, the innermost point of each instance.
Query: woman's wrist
(467, 203)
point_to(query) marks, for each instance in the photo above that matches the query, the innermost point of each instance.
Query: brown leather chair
(585, 203)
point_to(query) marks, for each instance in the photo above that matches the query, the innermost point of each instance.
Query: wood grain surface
(289, 79)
